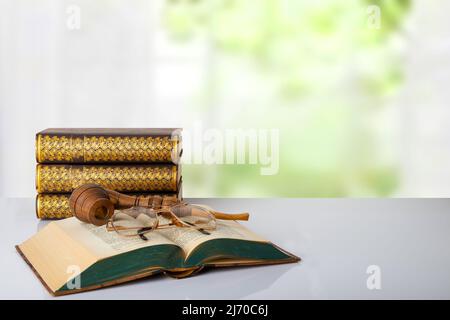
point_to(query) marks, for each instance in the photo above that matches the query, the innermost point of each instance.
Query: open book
(70, 256)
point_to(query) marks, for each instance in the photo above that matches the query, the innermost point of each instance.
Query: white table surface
(337, 239)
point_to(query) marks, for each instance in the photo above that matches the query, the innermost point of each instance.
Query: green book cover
(69, 256)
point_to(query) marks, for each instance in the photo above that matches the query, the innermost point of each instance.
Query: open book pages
(103, 243)
(65, 243)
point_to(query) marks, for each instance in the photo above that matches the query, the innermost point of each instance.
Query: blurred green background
(357, 89)
(319, 71)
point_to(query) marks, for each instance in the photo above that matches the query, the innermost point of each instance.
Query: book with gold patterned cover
(57, 178)
(120, 145)
(56, 206)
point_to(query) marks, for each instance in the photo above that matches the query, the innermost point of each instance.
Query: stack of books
(133, 161)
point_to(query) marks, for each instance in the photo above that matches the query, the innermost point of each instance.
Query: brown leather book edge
(34, 271)
(293, 256)
(292, 259)
(141, 132)
(175, 273)
(252, 263)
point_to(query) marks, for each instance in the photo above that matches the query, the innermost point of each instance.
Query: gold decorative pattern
(53, 206)
(56, 206)
(124, 178)
(53, 149)
(83, 149)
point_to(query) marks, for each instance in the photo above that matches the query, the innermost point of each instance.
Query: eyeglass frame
(141, 231)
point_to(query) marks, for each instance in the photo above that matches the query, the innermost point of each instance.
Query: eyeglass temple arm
(231, 216)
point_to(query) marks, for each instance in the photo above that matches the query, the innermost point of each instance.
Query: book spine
(122, 178)
(56, 206)
(53, 206)
(54, 148)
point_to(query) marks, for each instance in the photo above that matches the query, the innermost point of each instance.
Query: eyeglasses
(139, 221)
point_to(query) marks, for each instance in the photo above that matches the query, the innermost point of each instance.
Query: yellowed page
(103, 243)
(54, 256)
(188, 238)
(67, 245)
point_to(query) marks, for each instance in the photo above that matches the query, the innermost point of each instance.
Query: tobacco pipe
(91, 203)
